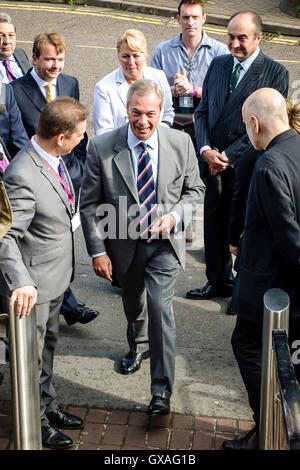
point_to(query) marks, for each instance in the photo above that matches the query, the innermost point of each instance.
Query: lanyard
(64, 184)
(66, 187)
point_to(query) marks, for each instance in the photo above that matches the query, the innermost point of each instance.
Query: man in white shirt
(13, 61)
(222, 140)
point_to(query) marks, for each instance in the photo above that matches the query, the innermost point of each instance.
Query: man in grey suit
(37, 254)
(222, 140)
(138, 173)
(13, 61)
(42, 83)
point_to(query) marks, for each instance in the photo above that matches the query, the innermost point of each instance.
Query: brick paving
(127, 430)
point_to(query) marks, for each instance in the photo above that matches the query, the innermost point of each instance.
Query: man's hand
(216, 161)
(103, 267)
(162, 226)
(25, 298)
(182, 85)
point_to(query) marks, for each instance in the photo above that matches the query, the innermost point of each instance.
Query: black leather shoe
(132, 362)
(249, 442)
(54, 439)
(63, 420)
(230, 310)
(80, 314)
(85, 315)
(159, 406)
(209, 291)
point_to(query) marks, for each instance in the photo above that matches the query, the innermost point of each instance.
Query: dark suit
(31, 102)
(12, 130)
(219, 124)
(270, 255)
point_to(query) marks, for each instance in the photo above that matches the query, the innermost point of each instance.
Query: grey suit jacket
(38, 249)
(22, 59)
(109, 179)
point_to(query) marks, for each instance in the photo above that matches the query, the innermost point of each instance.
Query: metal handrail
(276, 316)
(279, 426)
(289, 389)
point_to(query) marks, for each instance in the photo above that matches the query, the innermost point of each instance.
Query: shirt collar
(133, 141)
(53, 161)
(11, 59)
(247, 62)
(41, 83)
(206, 41)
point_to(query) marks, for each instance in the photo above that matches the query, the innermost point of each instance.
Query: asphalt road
(86, 367)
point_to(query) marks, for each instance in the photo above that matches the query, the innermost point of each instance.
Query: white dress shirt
(43, 85)
(15, 68)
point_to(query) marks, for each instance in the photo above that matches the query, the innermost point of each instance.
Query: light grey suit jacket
(38, 249)
(109, 176)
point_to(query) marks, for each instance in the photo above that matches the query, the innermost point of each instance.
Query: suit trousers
(47, 319)
(247, 347)
(217, 205)
(148, 289)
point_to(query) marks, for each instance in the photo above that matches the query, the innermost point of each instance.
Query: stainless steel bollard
(25, 382)
(276, 316)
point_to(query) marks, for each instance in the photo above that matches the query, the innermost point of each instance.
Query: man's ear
(255, 124)
(59, 140)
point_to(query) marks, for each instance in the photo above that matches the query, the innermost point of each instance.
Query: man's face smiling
(50, 63)
(144, 113)
(242, 39)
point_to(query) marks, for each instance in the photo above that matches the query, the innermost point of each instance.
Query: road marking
(288, 61)
(97, 47)
(172, 22)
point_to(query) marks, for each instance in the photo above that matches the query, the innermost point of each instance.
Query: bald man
(270, 247)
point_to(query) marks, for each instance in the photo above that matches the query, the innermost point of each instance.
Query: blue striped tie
(146, 191)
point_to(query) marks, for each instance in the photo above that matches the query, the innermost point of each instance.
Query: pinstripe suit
(219, 124)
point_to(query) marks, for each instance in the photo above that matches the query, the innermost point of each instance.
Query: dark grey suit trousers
(47, 320)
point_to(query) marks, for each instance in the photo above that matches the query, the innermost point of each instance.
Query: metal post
(279, 427)
(276, 316)
(25, 382)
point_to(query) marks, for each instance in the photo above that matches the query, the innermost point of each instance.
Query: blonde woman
(293, 110)
(111, 91)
